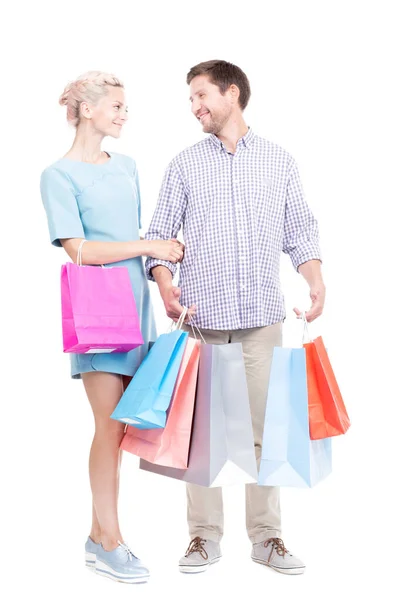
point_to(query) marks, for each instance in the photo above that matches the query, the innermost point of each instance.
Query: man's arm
(165, 224)
(170, 294)
(311, 271)
(301, 242)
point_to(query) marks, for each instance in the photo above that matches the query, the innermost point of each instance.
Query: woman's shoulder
(54, 166)
(77, 172)
(125, 160)
(55, 171)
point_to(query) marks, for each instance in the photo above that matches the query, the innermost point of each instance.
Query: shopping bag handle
(79, 256)
(180, 321)
(305, 329)
(194, 326)
(182, 318)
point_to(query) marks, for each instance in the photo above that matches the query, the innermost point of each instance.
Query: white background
(324, 81)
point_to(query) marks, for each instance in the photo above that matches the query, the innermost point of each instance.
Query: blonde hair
(89, 87)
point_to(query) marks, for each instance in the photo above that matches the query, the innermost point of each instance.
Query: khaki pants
(205, 507)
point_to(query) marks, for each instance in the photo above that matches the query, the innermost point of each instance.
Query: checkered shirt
(238, 212)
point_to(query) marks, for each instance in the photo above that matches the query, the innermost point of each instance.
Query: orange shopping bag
(170, 446)
(326, 410)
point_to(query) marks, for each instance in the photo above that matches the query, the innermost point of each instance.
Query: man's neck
(232, 133)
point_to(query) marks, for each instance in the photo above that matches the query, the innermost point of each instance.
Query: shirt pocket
(268, 201)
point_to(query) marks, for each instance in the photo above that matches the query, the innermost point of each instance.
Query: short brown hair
(223, 74)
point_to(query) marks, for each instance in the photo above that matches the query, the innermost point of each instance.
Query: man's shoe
(199, 556)
(120, 565)
(273, 553)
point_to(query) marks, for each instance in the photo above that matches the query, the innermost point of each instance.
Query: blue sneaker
(120, 565)
(91, 549)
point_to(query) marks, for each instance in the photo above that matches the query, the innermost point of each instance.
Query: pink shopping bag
(170, 446)
(98, 310)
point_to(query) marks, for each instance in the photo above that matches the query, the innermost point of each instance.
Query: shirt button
(243, 287)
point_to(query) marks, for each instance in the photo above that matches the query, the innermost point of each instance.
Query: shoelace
(128, 551)
(277, 545)
(196, 545)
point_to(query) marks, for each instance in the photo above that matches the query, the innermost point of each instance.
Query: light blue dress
(101, 203)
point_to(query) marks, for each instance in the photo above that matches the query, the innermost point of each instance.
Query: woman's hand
(170, 250)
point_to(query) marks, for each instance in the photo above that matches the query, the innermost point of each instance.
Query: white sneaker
(120, 565)
(199, 556)
(273, 553)
(91, 549)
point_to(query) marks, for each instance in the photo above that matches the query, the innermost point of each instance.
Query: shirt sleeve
(301, 236)
(168, 216)
(61, 206)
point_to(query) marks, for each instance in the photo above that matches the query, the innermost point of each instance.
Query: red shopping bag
(327, 413)
(170, 446)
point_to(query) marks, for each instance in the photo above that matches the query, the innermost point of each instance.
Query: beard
(216, 122)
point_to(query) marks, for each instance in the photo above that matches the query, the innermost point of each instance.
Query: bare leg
(95, 532)
(104, 391)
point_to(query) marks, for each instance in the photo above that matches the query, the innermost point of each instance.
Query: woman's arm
(102, 253)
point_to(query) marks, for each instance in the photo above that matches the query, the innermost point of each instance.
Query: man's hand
(172, 305)
(317, 295)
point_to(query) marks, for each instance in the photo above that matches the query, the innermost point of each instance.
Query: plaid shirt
(238, 212)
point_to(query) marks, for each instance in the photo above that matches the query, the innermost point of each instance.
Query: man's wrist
(317, 282)
(163, 278)
(312, 273)
(164, 289)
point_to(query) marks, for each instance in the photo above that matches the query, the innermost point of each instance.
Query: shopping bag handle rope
(194, 326)
(182, 318)
(79, 256)
(305, 330)
(180, 321)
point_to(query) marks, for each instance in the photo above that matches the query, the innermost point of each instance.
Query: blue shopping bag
(145, 401)
(289, 457)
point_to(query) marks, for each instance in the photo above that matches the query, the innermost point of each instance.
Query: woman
(93, 195)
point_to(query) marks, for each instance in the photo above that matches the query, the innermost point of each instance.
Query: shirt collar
(246, 140)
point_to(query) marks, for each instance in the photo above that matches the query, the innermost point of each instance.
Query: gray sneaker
(199, 556)
(121, 565)
(273, 553)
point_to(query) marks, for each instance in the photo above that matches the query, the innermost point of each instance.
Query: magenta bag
(98, 310)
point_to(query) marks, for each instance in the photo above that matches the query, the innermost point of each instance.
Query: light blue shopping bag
(289, 457)
(145, 401)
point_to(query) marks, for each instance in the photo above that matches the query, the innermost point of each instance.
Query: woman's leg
(95, 532)
(104, 391)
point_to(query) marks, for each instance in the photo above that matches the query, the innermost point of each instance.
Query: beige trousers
(204, 505)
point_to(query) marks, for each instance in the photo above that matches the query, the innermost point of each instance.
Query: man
(240, 201)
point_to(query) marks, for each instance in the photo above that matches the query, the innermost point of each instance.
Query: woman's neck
(87, 147)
